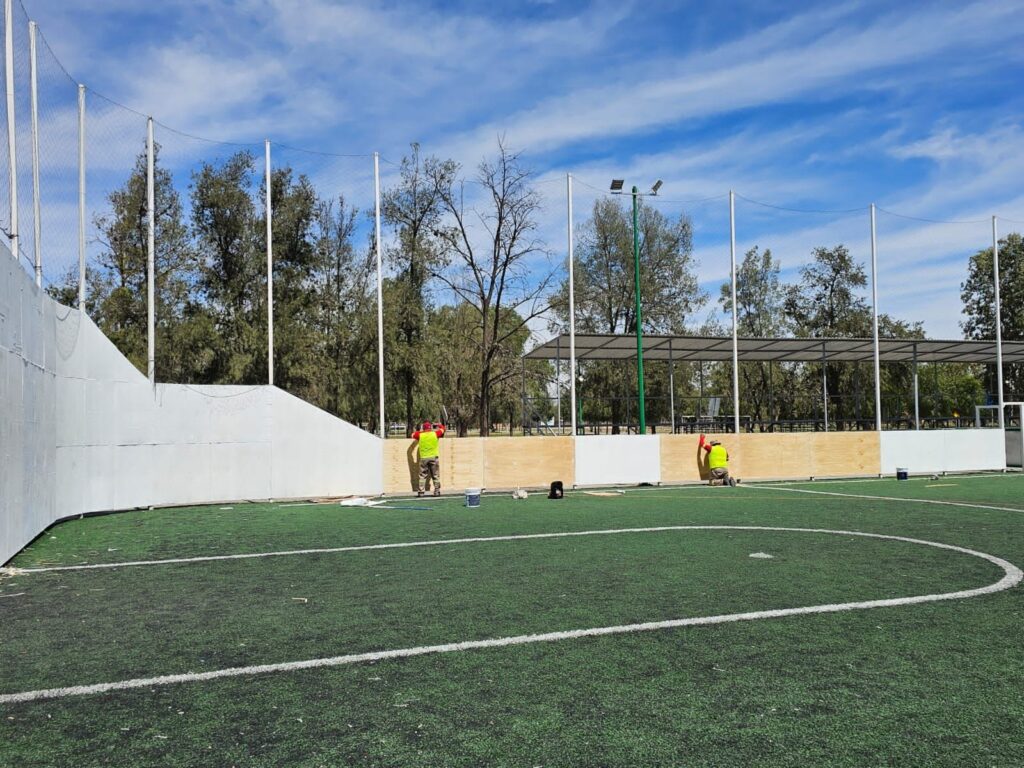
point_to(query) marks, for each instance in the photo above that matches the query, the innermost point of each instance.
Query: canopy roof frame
(680, 349)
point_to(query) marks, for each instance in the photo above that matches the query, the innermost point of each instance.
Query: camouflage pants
(719, 476)
(430, 469)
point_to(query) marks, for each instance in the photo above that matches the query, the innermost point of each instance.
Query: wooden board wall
(776, 456)
(531, 462)
(474, 462)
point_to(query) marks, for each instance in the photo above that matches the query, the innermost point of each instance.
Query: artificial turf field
(929, 684)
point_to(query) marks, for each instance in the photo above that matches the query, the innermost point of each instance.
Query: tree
(118, 279)
(605, 296)
(978, 295)
(413, 210)
(760, 301)
(496, 272)
(346, 315)
(233, 270)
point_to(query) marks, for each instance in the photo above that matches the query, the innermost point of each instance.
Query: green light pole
(639, 316)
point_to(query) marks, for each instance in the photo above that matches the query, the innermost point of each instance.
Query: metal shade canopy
(719, 348)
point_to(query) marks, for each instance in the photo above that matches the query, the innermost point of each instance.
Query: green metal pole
(639, 318)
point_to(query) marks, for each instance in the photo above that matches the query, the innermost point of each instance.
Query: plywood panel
(836, 454)
(400, 466)
(528, 462)
(772, 456)
(462, 463)
(682, 460)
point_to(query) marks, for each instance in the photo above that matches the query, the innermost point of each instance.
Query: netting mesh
(58, 167)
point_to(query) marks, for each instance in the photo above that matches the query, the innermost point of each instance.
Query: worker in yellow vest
(718, 463)
(430, 451)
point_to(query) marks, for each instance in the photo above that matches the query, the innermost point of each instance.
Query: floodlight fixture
(617, 186)
(656, 187)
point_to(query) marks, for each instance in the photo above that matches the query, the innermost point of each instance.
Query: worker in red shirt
(718, 463)
(430, 450)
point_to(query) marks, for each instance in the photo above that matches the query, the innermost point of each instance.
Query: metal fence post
(12, 150)
(151, 252)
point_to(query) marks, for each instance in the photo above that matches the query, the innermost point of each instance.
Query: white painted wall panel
(27, 409)
(940, 450)
(614, 459)
(313, 450)
(1014, 448)
(81, 430)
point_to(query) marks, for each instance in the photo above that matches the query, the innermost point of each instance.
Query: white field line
(1012, 576)
(891, 498)
(361, 548)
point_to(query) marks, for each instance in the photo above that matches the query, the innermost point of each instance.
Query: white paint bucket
(472, 497)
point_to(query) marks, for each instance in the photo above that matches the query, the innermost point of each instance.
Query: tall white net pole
(270, 270)
(150, 252)
(735, 316)
(12, 152)
(874, 323)
(81, 198)
(37, 228)
(999, 322)
(380, 294)
(917, 393)
(671, 389)
(824, 384)
(572, 307)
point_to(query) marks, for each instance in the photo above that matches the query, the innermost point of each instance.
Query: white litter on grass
(359, 501)
(762, 556)
(16, 594)
(1012, 576)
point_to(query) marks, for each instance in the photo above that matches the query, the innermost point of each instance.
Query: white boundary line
(891, 498)
(15, 571)
(1012, 576)
(356, 548)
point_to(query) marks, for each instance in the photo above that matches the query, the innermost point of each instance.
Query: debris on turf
(519, 493)
(762, 556)
(359, 501)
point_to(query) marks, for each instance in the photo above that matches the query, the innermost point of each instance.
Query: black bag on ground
(557, 490)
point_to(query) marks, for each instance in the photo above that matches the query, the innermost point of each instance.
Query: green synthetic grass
(935, 684)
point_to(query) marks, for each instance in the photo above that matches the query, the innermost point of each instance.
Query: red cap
(427, 425)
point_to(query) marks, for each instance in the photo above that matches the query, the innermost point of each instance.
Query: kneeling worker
(718, 463)
(429, 450)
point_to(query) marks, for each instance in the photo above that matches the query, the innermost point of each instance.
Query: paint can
(902, 473)
(472, 497)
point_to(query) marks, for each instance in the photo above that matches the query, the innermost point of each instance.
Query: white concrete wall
(123, 444)
(942, 450)
(613, 459)
(81, 429)
(27, 408)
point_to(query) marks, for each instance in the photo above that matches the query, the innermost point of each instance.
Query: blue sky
(825, 106)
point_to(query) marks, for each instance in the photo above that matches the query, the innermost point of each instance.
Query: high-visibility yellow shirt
(429, 448)
(718, 457)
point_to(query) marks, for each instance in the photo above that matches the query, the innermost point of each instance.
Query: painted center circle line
(1012, 576)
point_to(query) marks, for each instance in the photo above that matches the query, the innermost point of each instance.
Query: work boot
(419, 494)
(732, 482)
(437, 491)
